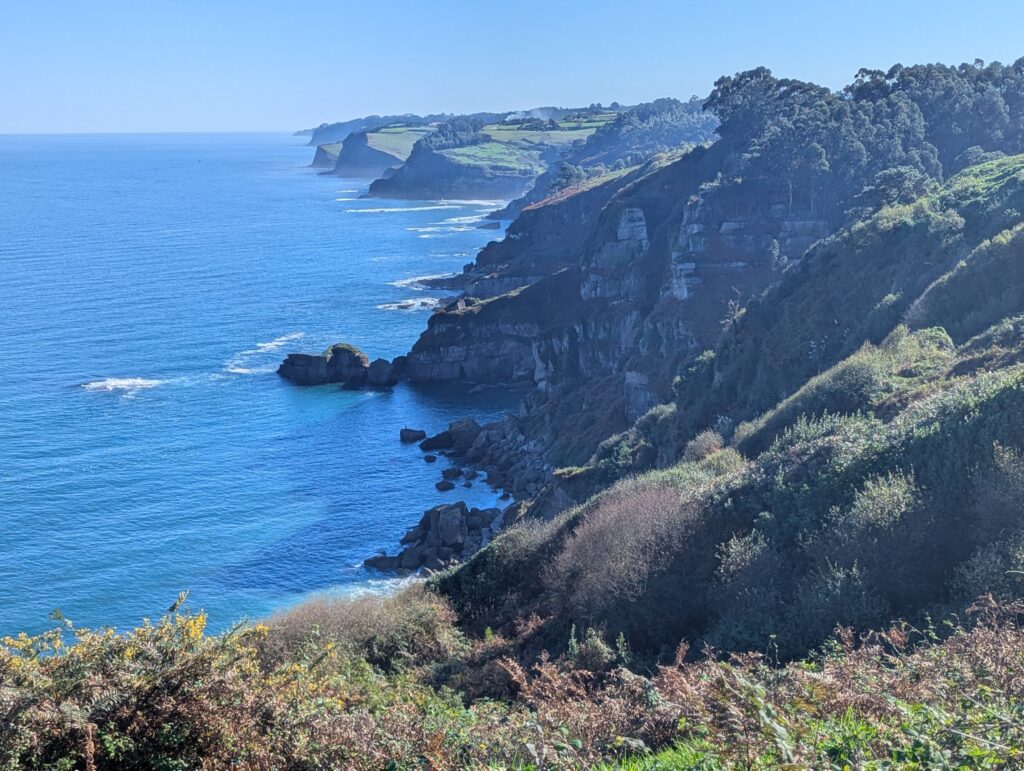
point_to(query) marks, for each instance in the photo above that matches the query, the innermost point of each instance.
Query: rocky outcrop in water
(410, 435)
(341, 363)
(446, 534)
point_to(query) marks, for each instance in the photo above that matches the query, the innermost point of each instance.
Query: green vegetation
(623, 141)
(368, 684)
(468, 156)
(396, 140)
(514, 147)
(890, 435)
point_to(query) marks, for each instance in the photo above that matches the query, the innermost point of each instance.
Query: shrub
(704, 444)
(411, 628)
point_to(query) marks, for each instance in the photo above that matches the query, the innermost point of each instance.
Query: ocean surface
(149, 287)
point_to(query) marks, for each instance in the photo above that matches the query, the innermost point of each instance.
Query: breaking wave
(242, 363)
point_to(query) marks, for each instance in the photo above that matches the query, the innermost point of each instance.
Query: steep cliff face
(357, 159)
(544, 239)
(326, 156)
(658, 259)
(376, 153)
(431, 174)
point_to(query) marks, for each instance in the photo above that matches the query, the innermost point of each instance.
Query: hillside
(332, 133)
(467, 158)
(369, 154)
(634, 137)
(869, 399)
(326, 156)
(659, 259)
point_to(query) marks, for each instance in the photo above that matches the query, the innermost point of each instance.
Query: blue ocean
(149, 287)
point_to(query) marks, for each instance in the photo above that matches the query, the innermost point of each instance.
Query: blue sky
(220, 65)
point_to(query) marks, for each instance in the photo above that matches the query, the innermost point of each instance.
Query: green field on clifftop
(397, 140)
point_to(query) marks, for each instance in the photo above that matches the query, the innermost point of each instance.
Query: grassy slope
(396, 140)
(514, 148)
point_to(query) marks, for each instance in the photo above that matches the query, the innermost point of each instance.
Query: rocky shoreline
(498, 451)
(452, 532)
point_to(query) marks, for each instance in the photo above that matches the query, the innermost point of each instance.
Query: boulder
(451, 526)
(415, 534)
(380, 373)
(382, 562)
(304, 369)
(442, 441)
(453, 472)
(463, 433)
(410, 435)
(444, 485)
(430, 458)
(412, 557)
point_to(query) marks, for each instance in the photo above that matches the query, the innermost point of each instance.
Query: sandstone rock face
(444, 535)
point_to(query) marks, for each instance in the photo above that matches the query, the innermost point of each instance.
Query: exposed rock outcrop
(341, 363)
(645, 269)
(326, 156)
(410, 435)
(444, 535)
(355, 158)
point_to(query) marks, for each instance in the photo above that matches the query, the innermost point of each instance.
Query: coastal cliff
(326, 156)
(372, 154)
(469, 157)
(598, 297)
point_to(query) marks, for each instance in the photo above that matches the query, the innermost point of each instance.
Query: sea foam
(242, 362)
(123, 384)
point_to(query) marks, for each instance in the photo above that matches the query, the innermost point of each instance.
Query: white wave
(241, 363)
(465, 220)
(441, 229)
(389, 209)
(346, 191)
(346, 199)
(475, 202)
(127, 385)
(236, 370)
(277, 342)
(416, 282)
(412, 304)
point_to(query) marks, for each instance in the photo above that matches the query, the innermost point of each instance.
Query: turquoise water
(150, 285)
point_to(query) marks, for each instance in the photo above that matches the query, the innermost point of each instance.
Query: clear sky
(223, 65)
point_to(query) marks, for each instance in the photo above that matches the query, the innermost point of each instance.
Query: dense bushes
(166, 696)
